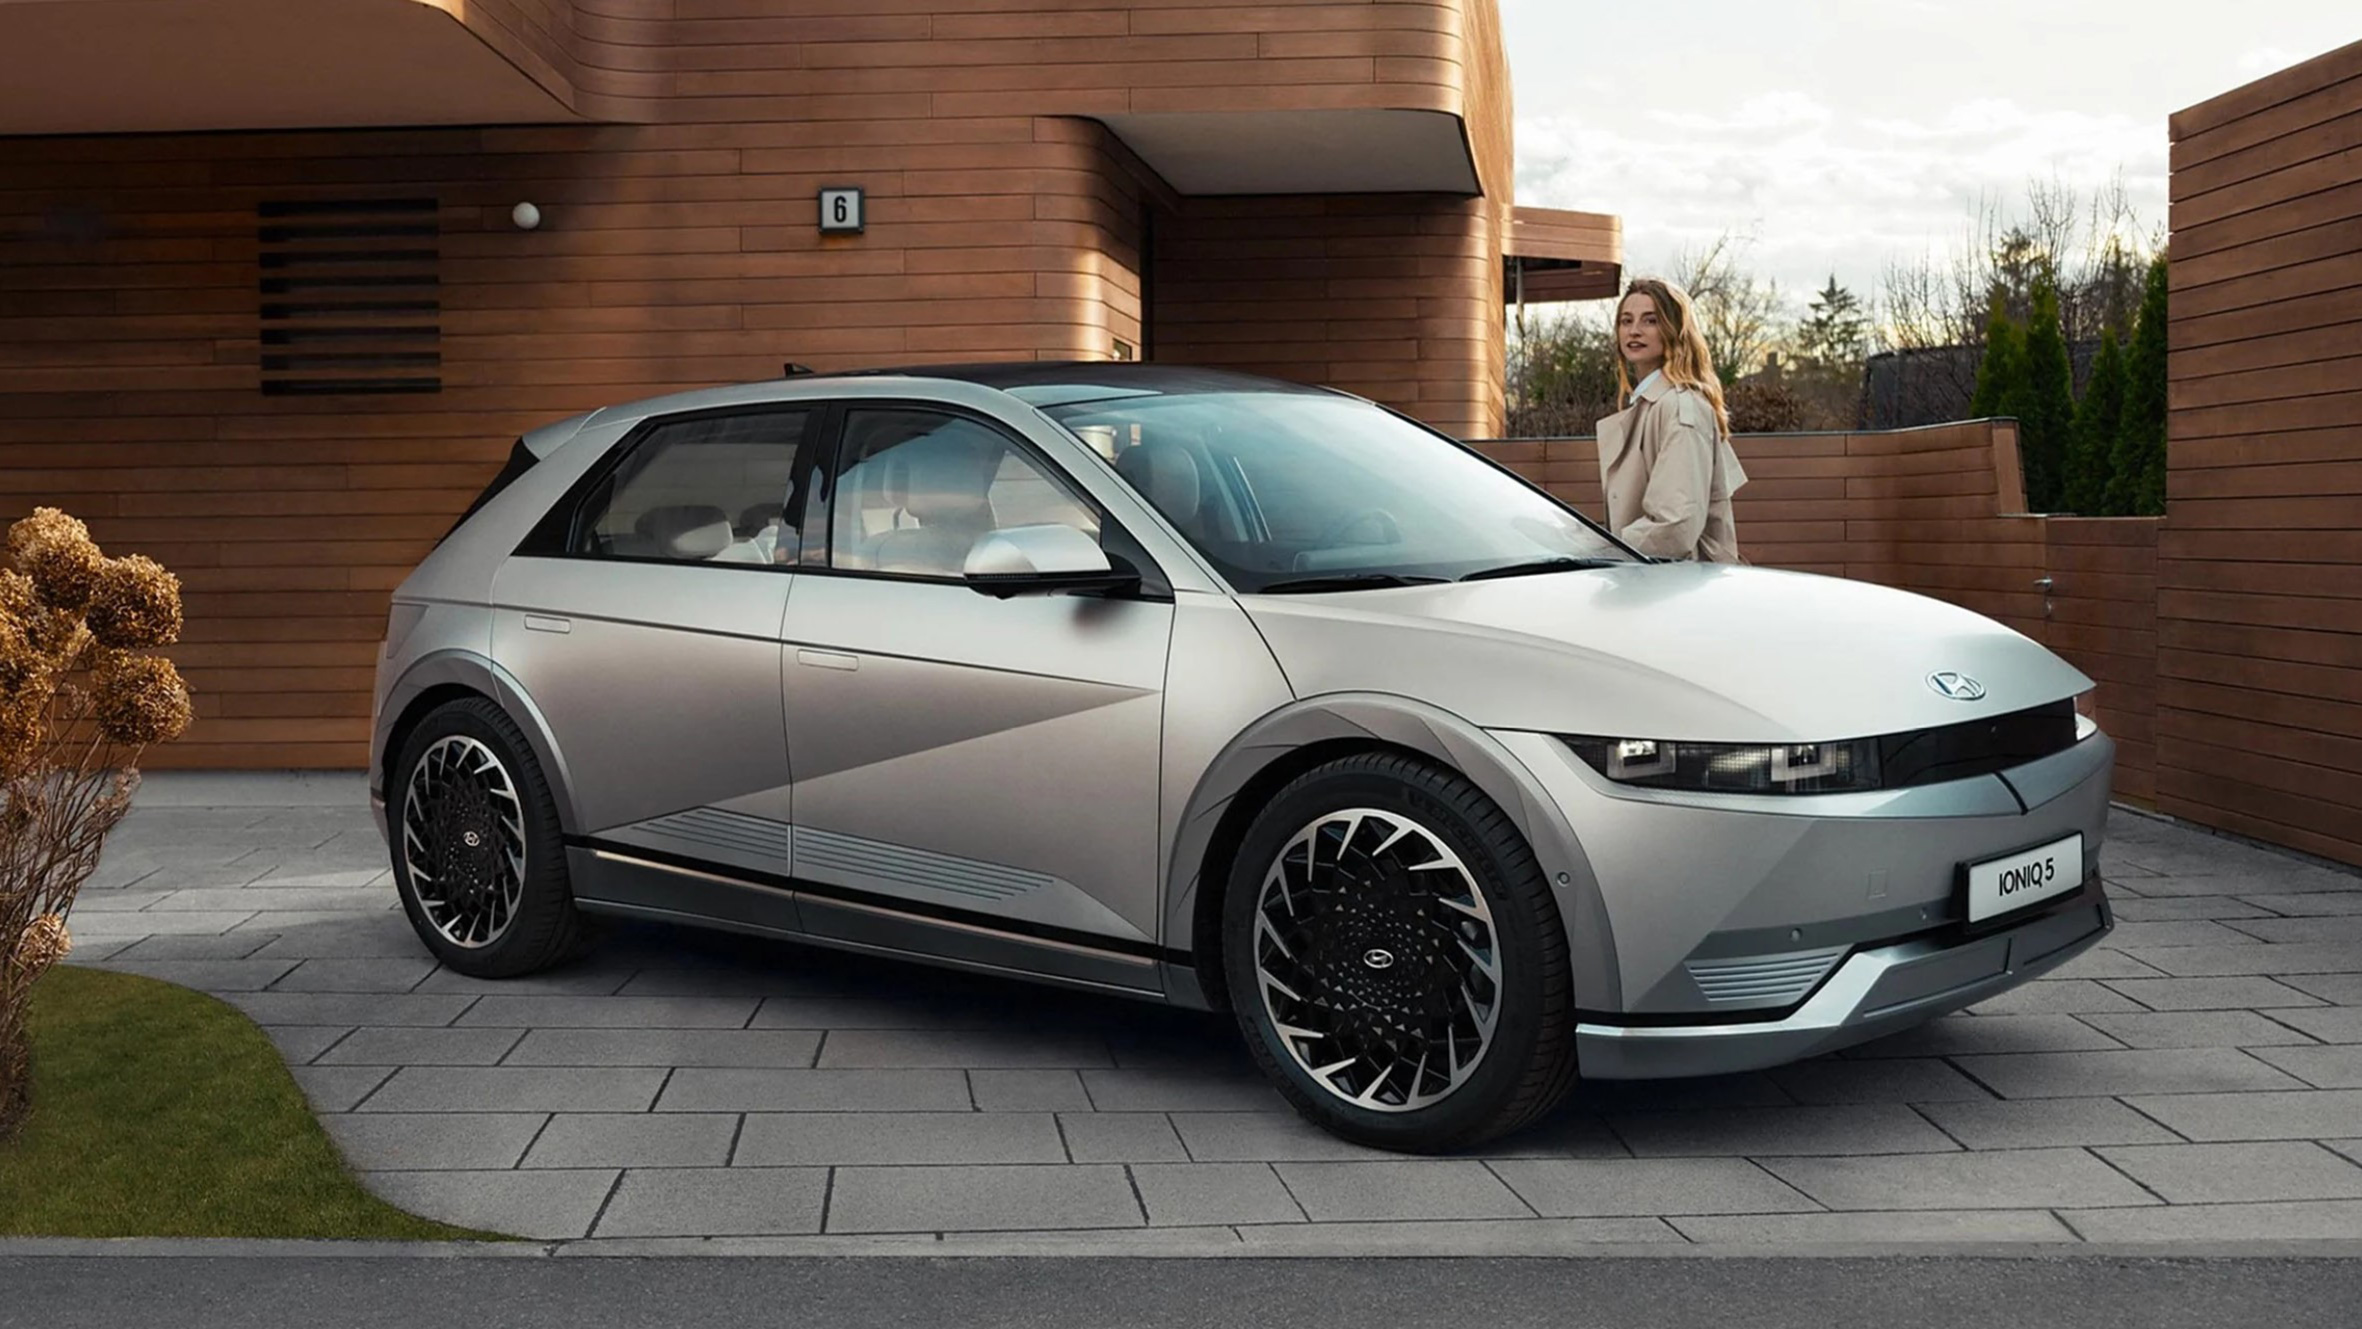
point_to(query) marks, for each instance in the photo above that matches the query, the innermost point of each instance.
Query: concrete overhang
(1553, 254)
(1303, 152)
(150, 66)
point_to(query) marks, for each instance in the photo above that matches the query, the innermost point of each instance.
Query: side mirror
(1042, 560)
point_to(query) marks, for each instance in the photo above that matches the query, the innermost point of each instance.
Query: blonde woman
(1666, 460)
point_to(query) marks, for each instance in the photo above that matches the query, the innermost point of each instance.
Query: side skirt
(612, 880)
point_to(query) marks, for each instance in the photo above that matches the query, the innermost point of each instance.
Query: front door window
(917, 489)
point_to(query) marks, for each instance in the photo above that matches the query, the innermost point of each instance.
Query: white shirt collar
(1643, 385)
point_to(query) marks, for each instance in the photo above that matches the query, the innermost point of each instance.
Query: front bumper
(1873, 993)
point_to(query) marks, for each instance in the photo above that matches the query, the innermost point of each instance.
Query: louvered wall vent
(351, 295)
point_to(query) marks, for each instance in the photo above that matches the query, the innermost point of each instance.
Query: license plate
(2028, 877)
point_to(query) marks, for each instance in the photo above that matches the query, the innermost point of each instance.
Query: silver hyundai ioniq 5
(1228, 693)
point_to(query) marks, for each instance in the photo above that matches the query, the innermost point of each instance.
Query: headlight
(1734, 768)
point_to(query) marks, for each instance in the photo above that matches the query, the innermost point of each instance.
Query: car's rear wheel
(1396, 960)
(479, 856)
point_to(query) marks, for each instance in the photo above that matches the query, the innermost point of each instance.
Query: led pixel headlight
(1734, 768)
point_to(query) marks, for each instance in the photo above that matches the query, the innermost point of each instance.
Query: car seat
(684, 530)
(1165, 473)
(943, 483)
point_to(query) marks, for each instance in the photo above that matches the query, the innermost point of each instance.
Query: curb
(1177, 1243)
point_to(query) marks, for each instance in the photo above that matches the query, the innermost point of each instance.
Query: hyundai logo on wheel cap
(1957, 686)
(1377, 958)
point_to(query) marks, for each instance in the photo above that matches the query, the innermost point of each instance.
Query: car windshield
(1306, 491)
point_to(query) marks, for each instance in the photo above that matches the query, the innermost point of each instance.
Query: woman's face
(1640, 338)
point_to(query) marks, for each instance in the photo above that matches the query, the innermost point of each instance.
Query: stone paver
(2211, 994)
(703, 1089)
(1121, 1137)
(832, 1138)
(2315, 1114)
(400, 1142)
(2330, 1024)
(1608, 1188)
(2336, 989)
(2198, 1077)
(983, 1199)
(524, 1204)
(1194, 1194)
(2320, 1067)
(634, 1140)
(2037, 1123)
(1420, 1188)
(2058, 996)
(2196, 1029)
(1863, 1128)
(760, 1048)
(2100, 1074)
(1954, 1035)
(516, 1089)
(389, 1046)
(717, 1202)
(1028, 1091)
(2224, 1173)
(1947, 1228)
(1996, 1179)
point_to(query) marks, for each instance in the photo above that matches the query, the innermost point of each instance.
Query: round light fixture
(526, 216)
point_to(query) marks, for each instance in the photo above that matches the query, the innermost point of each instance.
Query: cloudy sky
(1841, 133)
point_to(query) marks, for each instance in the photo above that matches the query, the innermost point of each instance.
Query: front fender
(1447, 739)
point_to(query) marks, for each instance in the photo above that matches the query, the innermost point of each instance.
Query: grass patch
(161, 1112)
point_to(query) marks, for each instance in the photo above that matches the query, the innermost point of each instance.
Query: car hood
(1706, 652)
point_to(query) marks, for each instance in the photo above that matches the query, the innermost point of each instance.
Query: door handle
(547, 623)
(828, 659)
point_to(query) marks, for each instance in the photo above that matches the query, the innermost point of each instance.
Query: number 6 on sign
(840, 211)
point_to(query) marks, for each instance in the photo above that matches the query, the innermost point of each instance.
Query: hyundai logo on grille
(1959, 687)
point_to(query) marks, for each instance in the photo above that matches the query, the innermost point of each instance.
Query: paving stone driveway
(2198, 1079)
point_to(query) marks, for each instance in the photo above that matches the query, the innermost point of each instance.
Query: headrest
(1166, 475)
(942, 479)
(754, 519)
(686, 530)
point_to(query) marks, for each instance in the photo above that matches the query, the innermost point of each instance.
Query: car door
(973, 777)
(642, 621)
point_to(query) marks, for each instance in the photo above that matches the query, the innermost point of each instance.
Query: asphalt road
(1081, 1293)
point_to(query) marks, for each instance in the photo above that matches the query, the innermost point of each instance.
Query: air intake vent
(351, 296)
(1763, 980)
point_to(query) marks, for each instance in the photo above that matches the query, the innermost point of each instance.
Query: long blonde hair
(1688, 362)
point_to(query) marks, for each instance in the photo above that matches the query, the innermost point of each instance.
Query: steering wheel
(1337, 528)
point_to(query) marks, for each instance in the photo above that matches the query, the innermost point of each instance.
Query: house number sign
(840, 211)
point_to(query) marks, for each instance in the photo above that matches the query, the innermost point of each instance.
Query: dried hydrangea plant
(80, 698)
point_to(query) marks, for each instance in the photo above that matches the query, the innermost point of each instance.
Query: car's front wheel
(479, 855)
(1396, 959)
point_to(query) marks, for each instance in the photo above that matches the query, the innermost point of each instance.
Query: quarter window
(916, 490)
(713, 489)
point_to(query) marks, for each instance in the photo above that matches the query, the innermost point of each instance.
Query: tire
(1362, 957)
(470, 904)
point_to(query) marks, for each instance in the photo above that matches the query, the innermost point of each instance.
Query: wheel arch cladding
(1276, 749)
(449, 676)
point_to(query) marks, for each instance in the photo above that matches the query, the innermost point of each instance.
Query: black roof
(1077, 380)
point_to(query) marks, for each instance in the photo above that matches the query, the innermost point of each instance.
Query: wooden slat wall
(1933, 511)
(671, 259)
(678, 249)
(2103, 620)
(2260, 564)
(1395, 297)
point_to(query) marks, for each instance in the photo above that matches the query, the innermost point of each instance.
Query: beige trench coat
(1669, 475)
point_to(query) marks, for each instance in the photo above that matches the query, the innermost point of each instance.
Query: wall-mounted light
(525, 215)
